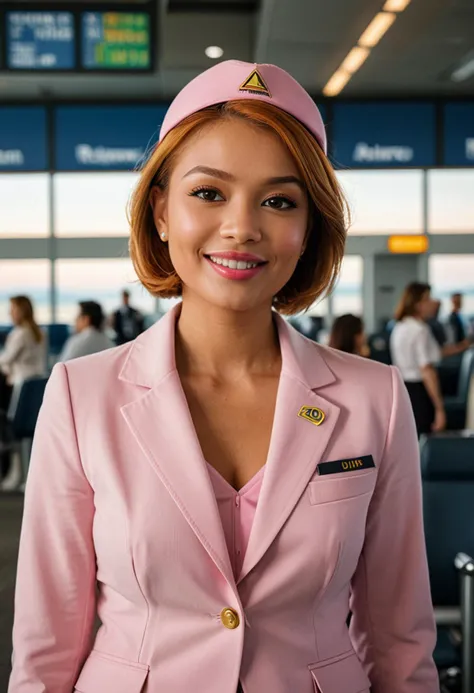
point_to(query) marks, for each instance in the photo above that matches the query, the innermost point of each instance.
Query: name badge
(350, 465)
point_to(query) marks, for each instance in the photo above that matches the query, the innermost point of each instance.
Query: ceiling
(309, 38)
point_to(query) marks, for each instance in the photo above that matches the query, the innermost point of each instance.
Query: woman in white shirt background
(24, 354)
(416, 353)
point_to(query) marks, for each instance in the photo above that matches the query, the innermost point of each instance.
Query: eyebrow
(224, 175)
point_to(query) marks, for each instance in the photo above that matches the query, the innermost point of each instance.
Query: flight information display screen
(40, 40)
(116, 41)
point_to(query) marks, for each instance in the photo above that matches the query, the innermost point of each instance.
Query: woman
(416, 353)
(230, 487)
(347, 334)
(24, 353)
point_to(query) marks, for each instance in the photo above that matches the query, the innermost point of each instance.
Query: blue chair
(379, 346)
(26, 401)
(58, 334)
(447, 469)
(456, 407)
(4, 330)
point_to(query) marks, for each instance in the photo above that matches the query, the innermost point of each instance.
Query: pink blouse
(237, 511)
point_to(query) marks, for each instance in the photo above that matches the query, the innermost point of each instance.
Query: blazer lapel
(160, 420)
(297, 445)
(162, 425)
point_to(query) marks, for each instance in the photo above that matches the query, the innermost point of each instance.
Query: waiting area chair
(26, 401)
(57, 336)
(456, 406)
(379, 347)
(447, 468)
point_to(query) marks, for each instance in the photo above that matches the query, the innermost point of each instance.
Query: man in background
(127, 322)
(89, 337)
(455, 327)
(435, 325)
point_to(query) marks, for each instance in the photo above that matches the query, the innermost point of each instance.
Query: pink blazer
(120, 517)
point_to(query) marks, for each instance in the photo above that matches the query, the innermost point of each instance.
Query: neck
(225, 344)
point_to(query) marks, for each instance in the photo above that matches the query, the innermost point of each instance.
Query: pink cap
(233, 80)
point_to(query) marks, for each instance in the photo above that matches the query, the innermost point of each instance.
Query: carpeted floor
(11, 509)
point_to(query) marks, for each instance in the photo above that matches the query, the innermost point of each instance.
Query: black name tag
(352, 464)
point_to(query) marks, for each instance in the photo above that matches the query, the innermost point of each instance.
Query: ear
(159, 205)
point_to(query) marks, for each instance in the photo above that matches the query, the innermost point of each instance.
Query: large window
(347, 297)
(24, 205)
(97, 280)
(26, 277)
(451, 201)
(92, 204)
(384, 202)
(451, 274)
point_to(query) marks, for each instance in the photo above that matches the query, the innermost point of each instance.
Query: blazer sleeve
(55, 588)
(392, 627)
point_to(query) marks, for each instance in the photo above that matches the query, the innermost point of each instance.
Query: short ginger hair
(318, 268)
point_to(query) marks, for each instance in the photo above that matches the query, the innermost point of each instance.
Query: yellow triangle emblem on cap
(255, 84)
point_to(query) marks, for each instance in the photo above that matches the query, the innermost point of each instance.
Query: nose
(241, 223)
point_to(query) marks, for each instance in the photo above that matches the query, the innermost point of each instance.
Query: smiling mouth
(234, 264)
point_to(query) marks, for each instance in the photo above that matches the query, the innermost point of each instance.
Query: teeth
(233, 264)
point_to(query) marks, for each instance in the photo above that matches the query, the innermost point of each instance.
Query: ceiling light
(355, 59)
(377, 28)
(337, 83)
(214, 52)
(396, 5)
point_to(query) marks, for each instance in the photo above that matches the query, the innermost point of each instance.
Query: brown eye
(207, 194)
(279, 202)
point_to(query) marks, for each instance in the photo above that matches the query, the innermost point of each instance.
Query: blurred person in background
(455, 327)
(127, 322)
(416, 353)
(434, 323)
(24, 354)
(90, 337)
(347, 334)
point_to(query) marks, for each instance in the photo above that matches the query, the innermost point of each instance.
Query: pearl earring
(163, 235)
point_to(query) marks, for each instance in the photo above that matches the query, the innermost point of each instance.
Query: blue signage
(378, 135)
(40, 40)
(105, 138)
(459, 134)
(23, 139)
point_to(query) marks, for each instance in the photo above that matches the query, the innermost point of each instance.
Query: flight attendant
(223, 491)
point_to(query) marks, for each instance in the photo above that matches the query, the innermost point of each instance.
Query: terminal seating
(379, 346)
(448, 373)
(447, 468)
(57, 334)
(22, 415)
(456, 406)
(4, 330)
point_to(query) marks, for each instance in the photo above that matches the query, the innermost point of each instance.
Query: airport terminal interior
(84, 88)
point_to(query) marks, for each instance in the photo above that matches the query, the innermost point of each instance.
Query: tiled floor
(11, 508)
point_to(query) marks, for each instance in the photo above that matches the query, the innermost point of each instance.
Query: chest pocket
(102, 672)
(328, 489)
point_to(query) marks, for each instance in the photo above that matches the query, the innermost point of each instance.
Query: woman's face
(235, 216)
(361, 346)
(15, 313)
(424, 307)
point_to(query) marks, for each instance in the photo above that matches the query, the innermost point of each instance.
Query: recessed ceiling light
(377, 28)
(337, 83)
(396, 5)
(355, 59)
(214, 52)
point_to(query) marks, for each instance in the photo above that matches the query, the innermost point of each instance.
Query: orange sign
(408, 244)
